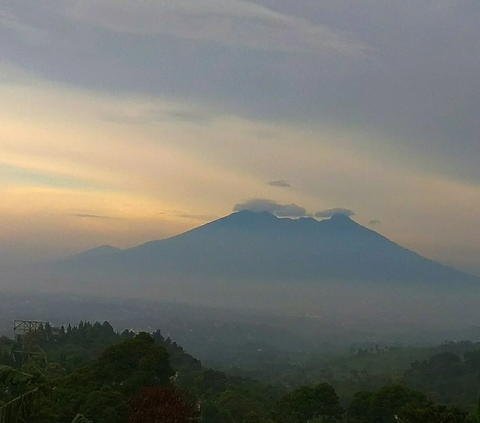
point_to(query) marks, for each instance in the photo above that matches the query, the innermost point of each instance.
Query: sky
(128, 121)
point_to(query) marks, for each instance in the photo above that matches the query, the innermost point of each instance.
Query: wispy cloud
(92, 216)
(229, 22)
(280, 210)
(156, 115)
(281, 183)
(330, 212)
(174, 154)
(203, 217)
(29, 33)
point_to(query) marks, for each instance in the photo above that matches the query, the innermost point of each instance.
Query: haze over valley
(334, 269)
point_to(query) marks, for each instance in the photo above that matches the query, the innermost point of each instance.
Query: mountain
(257, 260)
(260, 246)
(103, 250)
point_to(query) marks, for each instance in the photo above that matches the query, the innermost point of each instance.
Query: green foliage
(253, 417)
(238, 405)
(401, 405)
(80, 419)
(307, 403)
(431, 413)
(9, 375)
(20, 408)
(162, 405)
(389, 400)
(359, 407)
(447, 378)
(105, 405)
(101, 389)
(133, 364)
(110, 377)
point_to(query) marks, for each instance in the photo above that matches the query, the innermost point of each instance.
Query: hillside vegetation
(90, 372)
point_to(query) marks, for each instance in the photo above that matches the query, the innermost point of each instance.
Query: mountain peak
(340, 217)
(247, 212)
(247, 218)
(340, 220)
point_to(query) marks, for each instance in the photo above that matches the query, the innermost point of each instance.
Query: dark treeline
(90, 372)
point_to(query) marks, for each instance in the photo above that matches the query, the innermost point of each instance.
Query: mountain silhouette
(259, 261)
(103, 250)
(260, 246)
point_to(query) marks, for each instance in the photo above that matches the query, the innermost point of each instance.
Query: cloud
(203, 217)
(228, 22)
(187, 116)
(281, 183)
(280, 210)
(374, 222)
(267, 134)
(92, 216)
(427, 65)
(156, 115)
(27, 32)
(338, 210)
(191, 216)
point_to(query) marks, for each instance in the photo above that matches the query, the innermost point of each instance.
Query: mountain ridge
(260, 261)
(102, 250)
(257, 261)
(254, 244)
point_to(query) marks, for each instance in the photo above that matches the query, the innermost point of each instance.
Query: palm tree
(22, 407)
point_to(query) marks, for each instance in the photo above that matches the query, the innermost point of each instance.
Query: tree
(23, 407)
(133, 364)
(387, 402)
(106, 405)
(359, 407)
(256, 418)
(307, 403)
(431, 413)
(327, 403)
(101, 389)
(162, 405)
(237, 404)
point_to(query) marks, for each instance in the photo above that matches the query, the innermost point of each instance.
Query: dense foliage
(92, 373)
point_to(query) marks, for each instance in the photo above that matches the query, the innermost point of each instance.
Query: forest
(92, 373)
